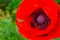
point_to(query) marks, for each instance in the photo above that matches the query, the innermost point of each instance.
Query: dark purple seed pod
(40, 19)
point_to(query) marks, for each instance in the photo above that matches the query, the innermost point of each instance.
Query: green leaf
(58, 1)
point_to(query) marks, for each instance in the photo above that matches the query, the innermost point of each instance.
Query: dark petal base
(40, 19)
(43, 35)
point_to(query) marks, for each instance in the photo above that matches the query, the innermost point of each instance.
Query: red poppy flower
(38, 19)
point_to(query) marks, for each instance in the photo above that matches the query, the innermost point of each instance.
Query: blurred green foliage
(9, 31)
(8, 7)
(8, 28)
(58, 1)
(14, 4)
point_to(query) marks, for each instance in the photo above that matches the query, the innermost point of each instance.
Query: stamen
(40, 19)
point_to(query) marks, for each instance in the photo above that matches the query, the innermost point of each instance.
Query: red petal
(23, 13)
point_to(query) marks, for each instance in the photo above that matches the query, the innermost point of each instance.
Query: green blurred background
(8, 28)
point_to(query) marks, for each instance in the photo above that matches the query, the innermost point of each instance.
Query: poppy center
(40, 19)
